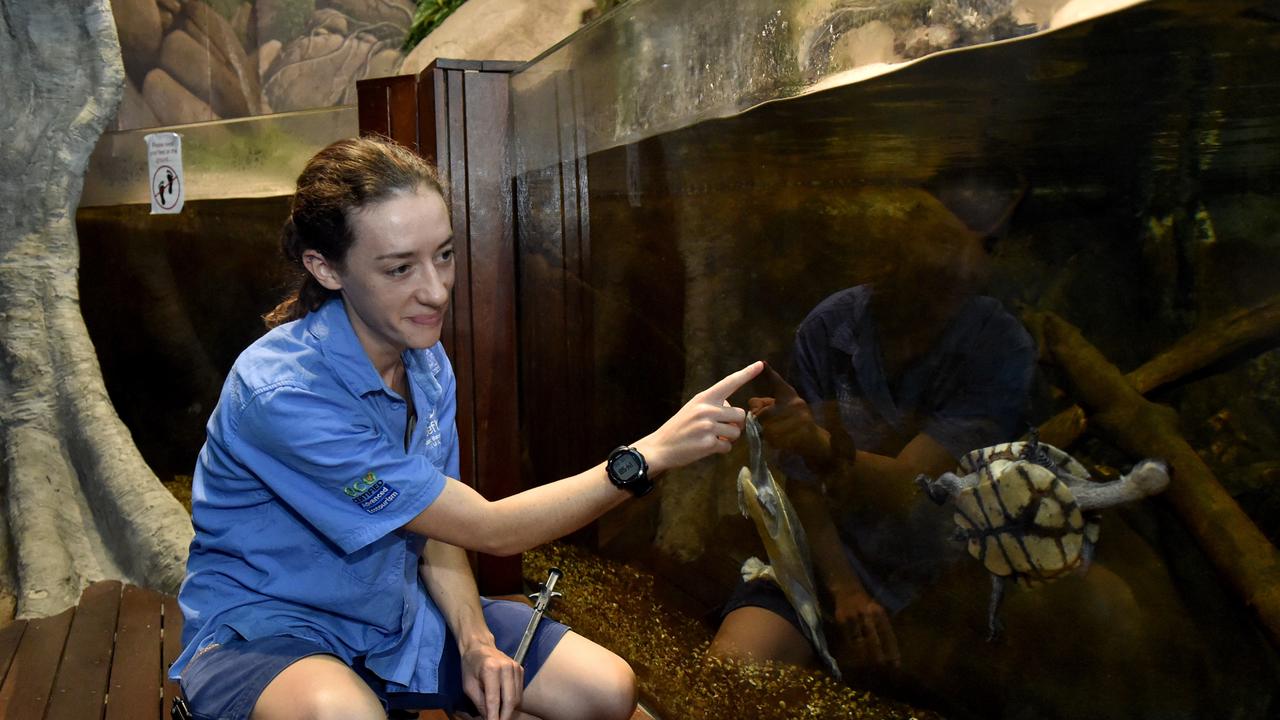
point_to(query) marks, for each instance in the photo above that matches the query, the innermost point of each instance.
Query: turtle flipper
(994, 625)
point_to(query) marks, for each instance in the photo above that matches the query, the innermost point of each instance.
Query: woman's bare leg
(754, 634)
(318, 687)
(581, 681)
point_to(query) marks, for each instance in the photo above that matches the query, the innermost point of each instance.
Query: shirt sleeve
(326, 461)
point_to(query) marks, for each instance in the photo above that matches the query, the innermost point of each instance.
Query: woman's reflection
(891, 378)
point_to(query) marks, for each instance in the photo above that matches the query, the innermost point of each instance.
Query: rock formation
(79, 503)
(499, 30)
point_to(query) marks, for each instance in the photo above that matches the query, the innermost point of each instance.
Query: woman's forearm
(446, 572)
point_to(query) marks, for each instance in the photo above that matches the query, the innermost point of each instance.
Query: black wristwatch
(628, 470)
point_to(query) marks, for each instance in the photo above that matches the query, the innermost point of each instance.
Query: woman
(892, 378)
(328, 576)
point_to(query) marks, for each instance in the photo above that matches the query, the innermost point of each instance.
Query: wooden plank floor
(104, 659)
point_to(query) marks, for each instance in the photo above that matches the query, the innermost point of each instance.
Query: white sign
(164, 163)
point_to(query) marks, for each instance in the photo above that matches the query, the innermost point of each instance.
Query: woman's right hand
(707, 424)
(867, 630)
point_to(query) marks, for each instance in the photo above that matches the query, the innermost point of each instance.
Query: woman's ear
(322, 270)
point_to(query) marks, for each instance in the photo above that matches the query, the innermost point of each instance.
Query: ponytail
(307, 294)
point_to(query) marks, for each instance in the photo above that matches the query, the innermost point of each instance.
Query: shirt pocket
(376, 566)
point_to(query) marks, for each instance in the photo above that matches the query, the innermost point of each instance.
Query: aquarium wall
(200, 60)
(171, 300)
(1066, 228)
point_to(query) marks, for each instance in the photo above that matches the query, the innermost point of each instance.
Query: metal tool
(541, 601)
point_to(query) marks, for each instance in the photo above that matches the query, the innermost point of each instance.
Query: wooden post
(456, 114)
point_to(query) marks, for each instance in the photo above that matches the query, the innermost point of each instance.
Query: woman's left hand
(493, 681)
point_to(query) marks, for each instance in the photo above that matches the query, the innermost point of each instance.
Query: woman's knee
(756, 634)
(320, 687)
(582, 681)
(615, 690)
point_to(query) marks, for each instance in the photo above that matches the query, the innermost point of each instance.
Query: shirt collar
(332, 328)
(424, 371)
(857, 338)
(330, 325)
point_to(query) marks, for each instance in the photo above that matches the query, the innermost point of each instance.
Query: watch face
(626, 466)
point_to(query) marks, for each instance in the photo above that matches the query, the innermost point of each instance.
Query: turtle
(762, 498)
(1029, 511)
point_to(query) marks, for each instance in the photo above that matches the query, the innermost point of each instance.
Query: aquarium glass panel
(246, 158)
(1019, 298)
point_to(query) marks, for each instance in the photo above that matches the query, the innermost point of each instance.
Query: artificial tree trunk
(79, 502)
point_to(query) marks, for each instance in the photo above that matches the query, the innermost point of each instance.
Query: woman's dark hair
(339, 181)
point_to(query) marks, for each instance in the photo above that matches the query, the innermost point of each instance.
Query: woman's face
(398, 274)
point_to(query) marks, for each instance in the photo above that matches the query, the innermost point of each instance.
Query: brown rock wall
(188, 62)
(138, 24)
(395, 12)
(172, 103)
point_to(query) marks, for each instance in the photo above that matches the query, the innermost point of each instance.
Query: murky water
(902, 250)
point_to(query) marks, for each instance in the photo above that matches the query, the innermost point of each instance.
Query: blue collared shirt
(299, 495)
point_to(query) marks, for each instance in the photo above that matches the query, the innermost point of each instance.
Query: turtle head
(1149, 477)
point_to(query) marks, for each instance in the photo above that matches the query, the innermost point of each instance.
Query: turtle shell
(1023, 522)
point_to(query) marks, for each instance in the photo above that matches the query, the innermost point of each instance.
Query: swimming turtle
(1028, 511)
(762, 499)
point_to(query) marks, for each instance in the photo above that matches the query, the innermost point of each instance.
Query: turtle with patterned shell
(1029, 511)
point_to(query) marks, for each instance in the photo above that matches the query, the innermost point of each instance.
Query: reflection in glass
(923, 256)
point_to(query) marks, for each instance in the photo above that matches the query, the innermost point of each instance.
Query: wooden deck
(102, 660)
(112, 647)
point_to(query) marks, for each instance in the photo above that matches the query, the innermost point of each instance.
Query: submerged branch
(1245, 558)
(1201, 348)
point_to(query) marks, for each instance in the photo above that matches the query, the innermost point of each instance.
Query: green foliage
(283, 20)
(225, 8)
(428, 17)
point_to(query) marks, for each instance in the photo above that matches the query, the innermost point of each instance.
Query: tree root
(1247, 561)
(1201, 348)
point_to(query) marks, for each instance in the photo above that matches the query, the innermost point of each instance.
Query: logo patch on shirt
(371, 493)
(432, 435)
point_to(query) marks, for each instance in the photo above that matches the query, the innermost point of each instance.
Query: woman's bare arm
(460, 516)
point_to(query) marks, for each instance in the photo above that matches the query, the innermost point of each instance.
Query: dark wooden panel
(404, 111)
(575, 347)
(501, 66)
(430, 91)
(373, 101)
(79, 690)
(171, 647)
(493, 321)
(10, 636)
(25, 692)
(492, 279)
(388, 106)
(463, 349)
(135, 675)
(434, 119)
